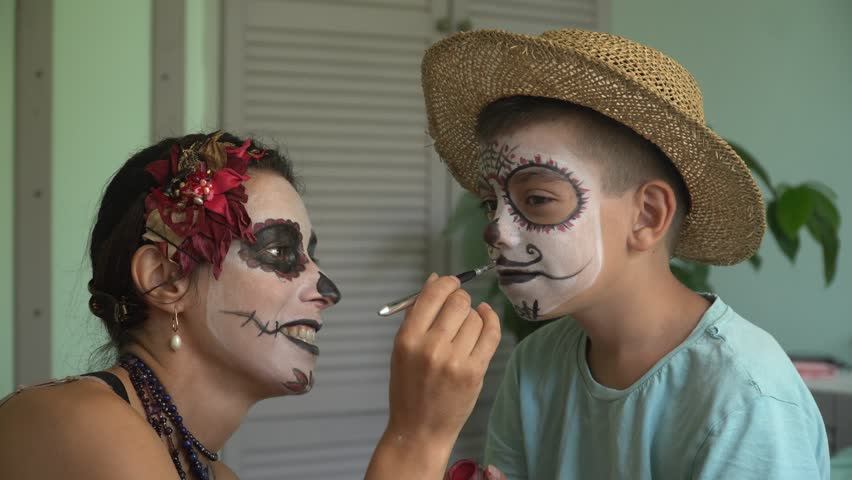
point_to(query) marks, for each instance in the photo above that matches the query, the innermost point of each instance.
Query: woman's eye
(280, 253)
(537, 200)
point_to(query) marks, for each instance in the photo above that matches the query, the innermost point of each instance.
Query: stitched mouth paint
(301, 332)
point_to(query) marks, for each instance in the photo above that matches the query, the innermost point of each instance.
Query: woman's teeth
(303, 333)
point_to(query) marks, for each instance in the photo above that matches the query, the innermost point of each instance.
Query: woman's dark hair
(120, 224)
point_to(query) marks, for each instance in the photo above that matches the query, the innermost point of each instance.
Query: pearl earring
(175, 342)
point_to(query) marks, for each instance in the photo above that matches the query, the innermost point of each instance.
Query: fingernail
(491, 473)
(432, 277)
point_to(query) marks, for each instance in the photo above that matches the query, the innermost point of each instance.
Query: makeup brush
(406, 302)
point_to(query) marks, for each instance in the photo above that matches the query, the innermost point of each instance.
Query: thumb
(493, 473)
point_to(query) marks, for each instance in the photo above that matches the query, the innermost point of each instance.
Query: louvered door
(338, 84)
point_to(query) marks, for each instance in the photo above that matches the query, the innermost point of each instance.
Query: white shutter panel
(536, 16)
(338, 84)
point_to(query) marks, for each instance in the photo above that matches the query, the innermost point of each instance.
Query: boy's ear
(160, 277)
(655, 204)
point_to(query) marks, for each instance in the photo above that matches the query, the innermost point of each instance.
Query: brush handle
(406, 302)
(398, 305)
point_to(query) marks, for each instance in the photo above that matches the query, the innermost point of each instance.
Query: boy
(596, 167)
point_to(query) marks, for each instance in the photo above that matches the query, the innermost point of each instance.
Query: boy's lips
(511, 276)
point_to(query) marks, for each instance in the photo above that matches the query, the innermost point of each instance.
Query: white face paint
(265, 308)
(545, 234)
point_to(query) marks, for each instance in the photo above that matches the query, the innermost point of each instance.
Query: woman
(203, 273)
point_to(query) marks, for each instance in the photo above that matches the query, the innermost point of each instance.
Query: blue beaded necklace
(163, 416)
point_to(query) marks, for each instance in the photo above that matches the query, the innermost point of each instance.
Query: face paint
(265, 309)
(545, 233)
(278, 249)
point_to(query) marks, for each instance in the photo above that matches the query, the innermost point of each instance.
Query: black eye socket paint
(552, 171)
(278, 249)
(499, 163)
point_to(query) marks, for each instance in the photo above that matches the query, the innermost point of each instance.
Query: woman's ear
(655, 206)
(158, 277)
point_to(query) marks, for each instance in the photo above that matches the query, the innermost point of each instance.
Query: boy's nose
(491, 234)
(497, 236)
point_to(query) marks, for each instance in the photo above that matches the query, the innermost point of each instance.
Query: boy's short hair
(628, 159)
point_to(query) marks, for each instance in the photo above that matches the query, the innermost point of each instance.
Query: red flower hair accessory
(199, 205)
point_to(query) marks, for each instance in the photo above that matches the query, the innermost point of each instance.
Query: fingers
(489, 337)
(420, 316)
(468, 334)
(492, 473)
(453, 314)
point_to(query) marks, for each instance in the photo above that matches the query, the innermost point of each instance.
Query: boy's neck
(645, 321)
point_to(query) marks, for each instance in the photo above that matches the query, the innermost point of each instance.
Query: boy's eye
(537, 200)
(489, 205)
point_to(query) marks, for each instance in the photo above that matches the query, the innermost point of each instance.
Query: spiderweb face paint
(545, 233)
(265, 309)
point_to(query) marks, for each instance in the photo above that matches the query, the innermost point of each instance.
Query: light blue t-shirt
(725, 404)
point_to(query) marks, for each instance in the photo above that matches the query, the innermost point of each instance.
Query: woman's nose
(328, 290)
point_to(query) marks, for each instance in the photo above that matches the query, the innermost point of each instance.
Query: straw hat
(633, 84)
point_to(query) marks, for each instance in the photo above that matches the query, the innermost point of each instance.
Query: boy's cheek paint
(541, 268)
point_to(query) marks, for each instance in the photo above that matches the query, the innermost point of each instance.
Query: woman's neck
(212, 404)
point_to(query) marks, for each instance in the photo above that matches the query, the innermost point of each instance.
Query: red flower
(199, 207)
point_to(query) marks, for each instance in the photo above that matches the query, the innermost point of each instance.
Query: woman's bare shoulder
(79, 429)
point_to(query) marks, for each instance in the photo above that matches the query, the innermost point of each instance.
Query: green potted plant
(808, 206)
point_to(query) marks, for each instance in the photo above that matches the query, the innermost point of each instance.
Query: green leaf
(754, 166)
(822, 188)
(827, 236)
(789, 244)
(756, 261)
(781, 188)
(793, 209)
(824, 206)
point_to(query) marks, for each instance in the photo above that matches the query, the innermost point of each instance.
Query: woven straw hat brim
(465, 72)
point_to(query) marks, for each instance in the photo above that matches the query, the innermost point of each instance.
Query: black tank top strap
(111, 380)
